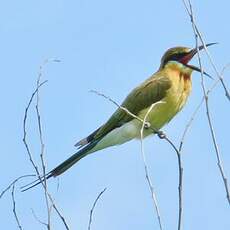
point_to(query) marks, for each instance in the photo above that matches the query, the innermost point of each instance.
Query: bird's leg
(160, 133)
(147, 125)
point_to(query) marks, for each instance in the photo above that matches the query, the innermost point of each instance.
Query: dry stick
(42, 152)
(154, 198)
(58, 212)
(93, 207)
(180, 188)
(25, 135)
(12, 183)
(31, 158)
(214, 140)
(14, 207)
(25, 132)
(48, 207)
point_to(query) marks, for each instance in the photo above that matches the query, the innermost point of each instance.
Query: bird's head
(181, 55)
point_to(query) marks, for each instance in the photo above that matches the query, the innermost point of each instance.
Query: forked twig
(47, 195)
(13, 183)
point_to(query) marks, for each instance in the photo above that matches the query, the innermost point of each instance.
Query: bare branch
(58, 212)
(14, 207)
(197, 35)
(48, 207)
(93, 207)
(47, 195)
(24, 128)
(150, 184)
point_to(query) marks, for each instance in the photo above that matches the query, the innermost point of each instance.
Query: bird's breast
(171, 104)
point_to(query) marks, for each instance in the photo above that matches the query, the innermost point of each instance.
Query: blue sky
(109, 46)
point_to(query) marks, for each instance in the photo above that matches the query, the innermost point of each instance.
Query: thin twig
(14, 207)
(37, 219)
(150, 184)
(48, 207)
(12, 183)
(58, 212)
(24, 128)
(93, 207)
(187, 127)
(197, 35)
(31, 158)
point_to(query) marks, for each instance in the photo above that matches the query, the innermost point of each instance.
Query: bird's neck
(180, 77)
(175, 69)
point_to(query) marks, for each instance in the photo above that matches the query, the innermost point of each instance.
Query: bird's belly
(120, 135)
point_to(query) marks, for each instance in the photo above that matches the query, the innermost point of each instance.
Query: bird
(167, 90)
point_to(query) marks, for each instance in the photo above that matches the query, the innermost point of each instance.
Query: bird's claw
(147, 125)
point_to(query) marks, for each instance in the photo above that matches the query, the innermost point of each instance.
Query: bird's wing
(151, 91)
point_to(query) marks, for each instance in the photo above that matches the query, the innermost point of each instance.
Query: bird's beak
(191, 54)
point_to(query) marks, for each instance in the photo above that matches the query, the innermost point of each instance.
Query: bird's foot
(161, 134)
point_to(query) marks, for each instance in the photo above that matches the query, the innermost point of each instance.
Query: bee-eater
(171, 85)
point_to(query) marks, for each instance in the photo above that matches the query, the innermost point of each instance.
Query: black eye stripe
(174, 57)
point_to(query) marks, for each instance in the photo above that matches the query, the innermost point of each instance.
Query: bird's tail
(63, 166)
